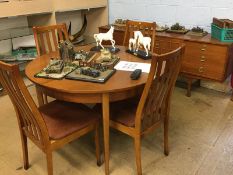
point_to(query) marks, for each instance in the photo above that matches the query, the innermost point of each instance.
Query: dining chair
(148, 29)
(137, 118)
(47, 37)
(50, 126)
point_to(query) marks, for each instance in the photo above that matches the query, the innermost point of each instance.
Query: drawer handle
(202, 49)
(202, 58)
(201, 69)
(204, 45)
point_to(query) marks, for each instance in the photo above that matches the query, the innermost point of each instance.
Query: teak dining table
(118, 87)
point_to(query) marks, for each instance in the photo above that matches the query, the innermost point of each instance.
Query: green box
(221, 34)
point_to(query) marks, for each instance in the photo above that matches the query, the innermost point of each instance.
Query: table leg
(190, 80)
(105, 109)
(39, 97)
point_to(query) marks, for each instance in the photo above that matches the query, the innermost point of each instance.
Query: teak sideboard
(205, 57)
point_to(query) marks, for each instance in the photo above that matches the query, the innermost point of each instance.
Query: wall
(6, 23)
(13, 22)
(187, 12)
(74, 17)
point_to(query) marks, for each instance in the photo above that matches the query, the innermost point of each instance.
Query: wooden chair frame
(147, 29)
(47, 37)
(30, 121)
(154, 107)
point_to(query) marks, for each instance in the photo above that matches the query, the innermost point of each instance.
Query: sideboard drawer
(206, 60)
(165, 44)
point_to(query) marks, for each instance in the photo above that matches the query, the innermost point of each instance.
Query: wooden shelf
(78, 8)
(19, 8)
(72, 5)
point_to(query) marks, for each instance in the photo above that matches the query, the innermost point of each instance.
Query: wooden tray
(119, 25)
(161, 29)
(177, 31)
(197, 34)
(104, 76)
(66, 70)
(112, 63)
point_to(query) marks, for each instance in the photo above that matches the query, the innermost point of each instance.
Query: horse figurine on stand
(141, 40)
(132, 42)
(105, 37)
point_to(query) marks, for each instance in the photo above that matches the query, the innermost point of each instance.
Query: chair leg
(97, 145)
(189, 87)
(137, 146)
(49, 158)
(166, 147)
(25, 152)
(45, 99)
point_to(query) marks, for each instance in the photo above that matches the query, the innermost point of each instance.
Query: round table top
(120, 81)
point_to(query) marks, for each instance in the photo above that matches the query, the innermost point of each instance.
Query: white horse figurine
(104, 37)
(145, 41)
(132, 41)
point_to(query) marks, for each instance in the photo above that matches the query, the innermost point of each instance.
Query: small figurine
(55, 66)
(105, 56)
(90, 72)
(81, 55)
(105, 37)
(177, 26)
(141, 40)
(132, 41)
(66, 50)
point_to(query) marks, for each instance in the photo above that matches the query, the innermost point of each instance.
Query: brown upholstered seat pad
(124, 111)
(64, 118)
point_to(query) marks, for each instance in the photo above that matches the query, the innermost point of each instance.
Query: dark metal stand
(140, 54)
(111, 49)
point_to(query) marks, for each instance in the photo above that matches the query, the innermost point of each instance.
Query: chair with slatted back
(138, 118)
(148, 29)
(47, 37)
(50, 126)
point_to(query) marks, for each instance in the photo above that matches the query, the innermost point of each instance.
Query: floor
(201, 143)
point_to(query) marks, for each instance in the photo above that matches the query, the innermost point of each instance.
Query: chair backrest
(47, 37)
(157, 92)
(30, 120)
(147, 29)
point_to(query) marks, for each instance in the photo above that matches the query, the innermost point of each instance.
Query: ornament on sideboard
(108, 36)
(177, 28)
(197, 31)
